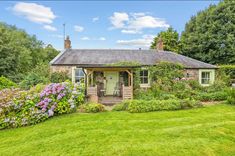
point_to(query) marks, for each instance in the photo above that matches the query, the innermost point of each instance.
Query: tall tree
(210, 35)
(170, 39)
(20, 52)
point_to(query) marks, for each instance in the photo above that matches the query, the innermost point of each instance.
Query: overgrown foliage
(58, 77)
(168, 82)
(231, 96)
(6, 83)
(140, 106)
(170, 39)
(20, 52)
(209, 36)
(125, 64)
(228, 69)
(20, 108)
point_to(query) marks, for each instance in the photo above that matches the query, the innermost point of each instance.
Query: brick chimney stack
(159, 45)
(67, 43)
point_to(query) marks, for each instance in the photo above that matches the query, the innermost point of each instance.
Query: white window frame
(145, 85)
(211, 76)
(74, 74)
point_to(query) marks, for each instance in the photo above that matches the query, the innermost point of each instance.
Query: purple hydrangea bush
(59, 98)
(20, 108)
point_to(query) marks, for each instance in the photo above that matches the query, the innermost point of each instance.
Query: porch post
(132, 84)
(92, 77)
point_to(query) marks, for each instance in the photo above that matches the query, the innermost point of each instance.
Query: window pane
(145, 80)
(145, 73)
(205, 79)
(141, 80)
(144, 76)
(76, 72)
(79, 72)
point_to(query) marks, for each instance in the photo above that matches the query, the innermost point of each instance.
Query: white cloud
(102, 39)
(118, 19)
(124, 31)
(145, 41)
(49, 28)
(34, 12)
(78, 28)
(95, 19)
(134, 23)
(85, 38)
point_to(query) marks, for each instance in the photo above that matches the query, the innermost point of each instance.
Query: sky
(99, 24)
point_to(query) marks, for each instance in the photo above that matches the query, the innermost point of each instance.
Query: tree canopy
(20, 52)
(210, 35)
(170, 39)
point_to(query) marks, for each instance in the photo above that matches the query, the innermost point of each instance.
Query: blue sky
(99, 24)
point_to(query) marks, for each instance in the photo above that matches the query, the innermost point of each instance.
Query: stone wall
(191, 74)
(67, 69)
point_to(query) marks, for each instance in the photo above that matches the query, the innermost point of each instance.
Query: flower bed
(20, 108)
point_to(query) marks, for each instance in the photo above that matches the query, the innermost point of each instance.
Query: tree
(210, 35)
(20, 52)
(170, 39)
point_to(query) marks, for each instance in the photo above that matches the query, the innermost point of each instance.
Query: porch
(109, 85)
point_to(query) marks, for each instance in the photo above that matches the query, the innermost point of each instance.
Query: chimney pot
(67, 43)
(159, 45)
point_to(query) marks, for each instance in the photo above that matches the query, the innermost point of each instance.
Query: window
(144, 75)
(205, 78)
(79, 75)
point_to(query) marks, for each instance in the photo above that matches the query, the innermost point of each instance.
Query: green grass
(202, 131)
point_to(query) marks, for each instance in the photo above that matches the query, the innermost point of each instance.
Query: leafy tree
(20, 52)
(210, 35)
(170, 39)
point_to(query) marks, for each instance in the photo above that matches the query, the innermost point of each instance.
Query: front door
(111, 81)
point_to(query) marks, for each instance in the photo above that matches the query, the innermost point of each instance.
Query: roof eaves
(58, 56)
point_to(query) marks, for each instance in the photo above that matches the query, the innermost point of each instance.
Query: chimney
(159, 45)
(67, 43)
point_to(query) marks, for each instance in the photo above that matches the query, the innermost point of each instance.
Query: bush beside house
(140, 106)
(91, 108)
(20, 108)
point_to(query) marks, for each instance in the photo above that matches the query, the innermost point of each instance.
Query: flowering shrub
(20, 108)
(61, 98)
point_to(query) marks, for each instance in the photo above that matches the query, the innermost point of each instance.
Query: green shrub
(231, 96)
(6, 83)
(228, 69)
(123, 106)
(20, 108)
(190, 103)
(194, 84)
(138, 106)
(31, 80)
(91, 108)
(58, 77)
(39, 74)
(215, 96)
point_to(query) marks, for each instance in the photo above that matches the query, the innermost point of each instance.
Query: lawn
(202, 131)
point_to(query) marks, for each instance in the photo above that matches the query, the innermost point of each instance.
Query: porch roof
(105, 57)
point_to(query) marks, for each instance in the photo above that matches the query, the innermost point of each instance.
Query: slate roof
(102, 57)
